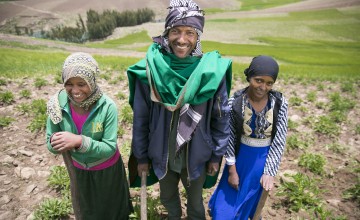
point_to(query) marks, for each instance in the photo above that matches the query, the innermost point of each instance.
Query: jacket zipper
(219, 101)
(167, 156)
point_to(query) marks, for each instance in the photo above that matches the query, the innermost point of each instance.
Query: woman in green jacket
(83, 121)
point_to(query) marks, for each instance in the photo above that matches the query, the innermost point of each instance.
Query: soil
(26, 162)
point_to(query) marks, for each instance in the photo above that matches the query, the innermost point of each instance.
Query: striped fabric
(189, 118)
(278, 143)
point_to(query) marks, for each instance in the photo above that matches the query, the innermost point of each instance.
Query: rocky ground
(25, 161)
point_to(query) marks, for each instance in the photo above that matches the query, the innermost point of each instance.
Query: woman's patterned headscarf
(183, 13)
(262, 66)
(81, 65)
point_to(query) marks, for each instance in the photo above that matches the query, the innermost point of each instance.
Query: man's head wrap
(183, 13)
(262, 66)
(80, 65)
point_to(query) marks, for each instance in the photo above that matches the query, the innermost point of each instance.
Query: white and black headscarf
(81, 65)
(183, 13)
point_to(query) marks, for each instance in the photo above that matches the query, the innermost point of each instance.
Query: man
(181, 117)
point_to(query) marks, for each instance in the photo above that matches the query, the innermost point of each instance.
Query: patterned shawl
(80, 65)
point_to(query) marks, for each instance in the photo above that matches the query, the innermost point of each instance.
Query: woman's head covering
(81, 65)
(183, 13)
(262, 66)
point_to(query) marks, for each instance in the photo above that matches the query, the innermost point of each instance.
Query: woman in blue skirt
(258, 123)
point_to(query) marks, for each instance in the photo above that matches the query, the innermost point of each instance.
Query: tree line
(99, 25)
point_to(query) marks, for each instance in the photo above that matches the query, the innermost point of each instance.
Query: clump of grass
(58, 79)
(320, 87)
(107, 77)
(357, 129)
(340, 103)
(121, 96)
(295, 101)
(3, 82)
(6, 97)
(125, 148)
(53, 208)
(25, 93)
(338, 116)
(292, 125)
(336, 148)
(313, 162)
(126, 114)
(120, 131)
(56, 208)
(320, 105)
(347, 86)
(23, 108)
(40, 82)
(5, 121)
(311, 96)
(154, 208)
(302, 192)
(38, 110)
(297, 141)
(353, 193)
(326, 125)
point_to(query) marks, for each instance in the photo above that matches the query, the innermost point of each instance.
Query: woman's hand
(267, 182)
(63, 141)
(233, 177)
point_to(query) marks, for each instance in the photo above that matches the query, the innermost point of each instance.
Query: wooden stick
(143, 196)
(261, 204)
(73, 183)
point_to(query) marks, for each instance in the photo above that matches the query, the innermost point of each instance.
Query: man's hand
(143, 167)
(212, 169)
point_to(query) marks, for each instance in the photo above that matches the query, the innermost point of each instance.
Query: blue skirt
(227, 203)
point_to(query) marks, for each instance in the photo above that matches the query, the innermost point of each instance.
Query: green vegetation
(6, 97)
(40, 82)
(261, 4)
(138, 37)
(17, 63)
(313, 162)
(38, 111)
(54, 208)
(5, 121)
(25, 93)
(126, 114)
(302, 192)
